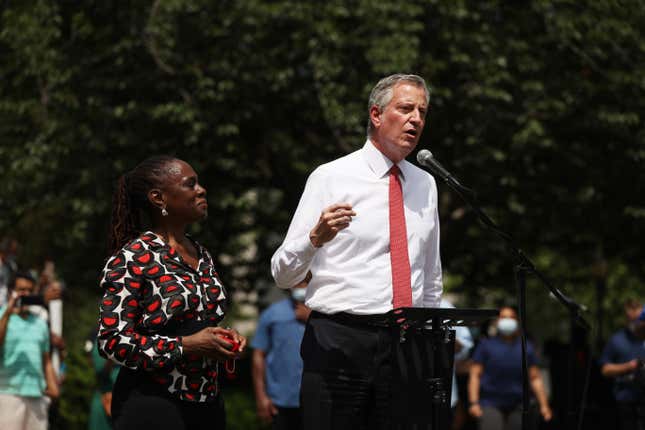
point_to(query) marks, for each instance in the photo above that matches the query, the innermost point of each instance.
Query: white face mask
(507, 326)
(298, 294)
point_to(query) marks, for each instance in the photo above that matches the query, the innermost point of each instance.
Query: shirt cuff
(303, 248)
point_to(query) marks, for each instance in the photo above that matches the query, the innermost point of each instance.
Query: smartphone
(32, 299)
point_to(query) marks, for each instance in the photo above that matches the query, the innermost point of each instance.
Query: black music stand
(423, 353)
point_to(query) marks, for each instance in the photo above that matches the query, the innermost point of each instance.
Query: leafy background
(537, 105)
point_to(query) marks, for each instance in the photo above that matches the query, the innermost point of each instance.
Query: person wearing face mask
(276, 363)
(495, 381)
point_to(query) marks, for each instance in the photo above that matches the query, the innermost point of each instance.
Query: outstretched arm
(265, 408)
(537, 385)
(613, 370)
(474, 379)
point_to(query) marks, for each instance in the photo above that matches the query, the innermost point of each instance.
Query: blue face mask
(507, 326)
(298, 294)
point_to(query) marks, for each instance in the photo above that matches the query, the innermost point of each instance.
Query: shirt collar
(379, 163)
(173, 254)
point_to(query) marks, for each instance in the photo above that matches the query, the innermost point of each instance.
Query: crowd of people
(363, 241)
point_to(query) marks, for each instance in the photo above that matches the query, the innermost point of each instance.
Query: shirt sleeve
(262, 340)
(479, 356)
(45, 344)
(290, 262)
(120, 311)
(608, 353)
(531, 357)
(433, 285)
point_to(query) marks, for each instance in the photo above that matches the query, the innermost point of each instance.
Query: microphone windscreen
(423, 156)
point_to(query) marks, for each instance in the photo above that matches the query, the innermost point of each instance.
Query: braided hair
(130, 200)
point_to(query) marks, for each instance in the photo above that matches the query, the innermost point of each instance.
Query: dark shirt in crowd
(622, 347)
(501, 381)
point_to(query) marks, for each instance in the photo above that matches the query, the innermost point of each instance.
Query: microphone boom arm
(468, 196)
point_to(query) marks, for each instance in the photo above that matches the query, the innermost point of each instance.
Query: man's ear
(155, 196)
(375, 116)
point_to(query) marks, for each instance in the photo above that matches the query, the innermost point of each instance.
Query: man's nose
(416, 117)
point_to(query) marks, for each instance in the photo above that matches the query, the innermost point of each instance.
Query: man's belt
(372, 320)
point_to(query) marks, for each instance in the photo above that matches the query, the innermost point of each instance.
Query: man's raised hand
(332, 220)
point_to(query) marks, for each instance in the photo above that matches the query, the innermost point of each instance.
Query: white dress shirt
(352, 272)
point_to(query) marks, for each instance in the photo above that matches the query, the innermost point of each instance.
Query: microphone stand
(523, 266)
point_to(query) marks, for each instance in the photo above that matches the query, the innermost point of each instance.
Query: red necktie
(401, 281)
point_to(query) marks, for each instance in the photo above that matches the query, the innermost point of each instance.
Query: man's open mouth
(411, 133)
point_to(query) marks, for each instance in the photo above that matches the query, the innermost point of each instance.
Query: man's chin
(406, 147)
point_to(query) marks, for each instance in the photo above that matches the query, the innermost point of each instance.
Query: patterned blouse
(149, 292)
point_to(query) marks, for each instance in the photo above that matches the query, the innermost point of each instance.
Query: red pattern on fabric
(399, 258)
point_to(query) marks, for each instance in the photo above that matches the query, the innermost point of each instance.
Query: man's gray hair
(381, 94)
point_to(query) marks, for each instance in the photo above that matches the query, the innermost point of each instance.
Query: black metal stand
(423, 353)
(523, 266)
(570, 412)
(520, 280)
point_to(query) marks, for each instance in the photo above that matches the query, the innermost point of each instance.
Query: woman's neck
(172, 235)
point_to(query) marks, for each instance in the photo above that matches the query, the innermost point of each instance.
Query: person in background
(27, 378)
(495, 382)
(622, 360)
(5, 276)
(8, 266)
(277, 366)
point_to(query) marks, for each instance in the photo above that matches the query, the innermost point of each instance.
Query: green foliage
(240, 410)
(539, 106)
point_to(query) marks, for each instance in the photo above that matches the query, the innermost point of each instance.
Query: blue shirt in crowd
(622, 347)
(501, 381)
(279, 335)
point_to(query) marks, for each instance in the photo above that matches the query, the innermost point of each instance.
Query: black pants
(287, 419)
(346, 376)
(631, 415)
(138, 404)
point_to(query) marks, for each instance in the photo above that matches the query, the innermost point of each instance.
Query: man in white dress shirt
(367, 227)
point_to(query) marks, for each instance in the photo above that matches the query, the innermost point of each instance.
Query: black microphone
(426, 159)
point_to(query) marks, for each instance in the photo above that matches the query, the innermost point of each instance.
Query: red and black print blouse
(149, 288)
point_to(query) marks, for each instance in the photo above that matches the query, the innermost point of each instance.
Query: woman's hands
(211, 342)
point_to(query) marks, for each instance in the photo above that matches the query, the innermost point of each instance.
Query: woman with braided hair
(162, 302)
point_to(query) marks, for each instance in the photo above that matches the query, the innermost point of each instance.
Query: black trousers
(287, 419)
(631, 415)
(138, 404)
(347, 375)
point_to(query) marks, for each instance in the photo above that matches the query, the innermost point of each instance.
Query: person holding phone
(162, 302)
(27, 378)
